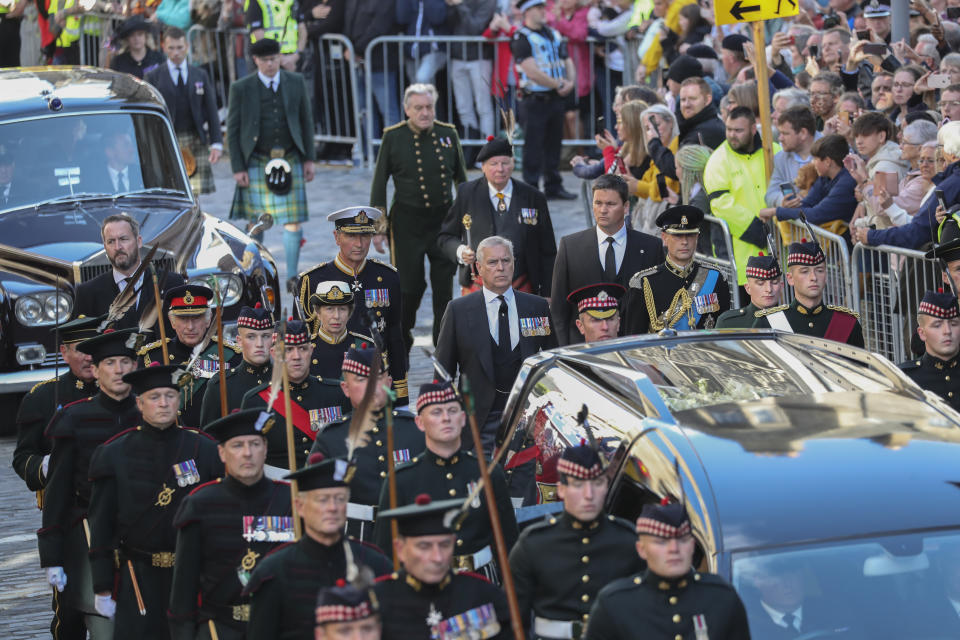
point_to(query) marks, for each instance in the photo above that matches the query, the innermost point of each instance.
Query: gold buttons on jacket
(585, 598)
(585, 559)
(453, 492)
(673, 600)
(677, 618)
(449, 476)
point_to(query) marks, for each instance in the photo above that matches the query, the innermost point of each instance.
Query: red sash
(840, 327)
(300, 417)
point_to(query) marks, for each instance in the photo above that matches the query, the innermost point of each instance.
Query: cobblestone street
(24, 594)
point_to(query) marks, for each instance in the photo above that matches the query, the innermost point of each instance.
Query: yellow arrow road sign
(733, 11)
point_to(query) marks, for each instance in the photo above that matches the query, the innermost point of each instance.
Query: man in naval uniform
(426, 162)
(598, 310)
(331, 306)
(224, 528)
(188, 308)
(680, 293)
(447, 469)
(807, 314)
(938, 324)
(139, 478)
(561, 563)
(669, 599)
(427, 598)
(313, 402)
(375, 286)
(76, 431)
(254, 337)
(763, 285)
(370, 459)
(499, 205)
(283, 588)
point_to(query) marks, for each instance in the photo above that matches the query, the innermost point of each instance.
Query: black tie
(504, 325)
(273, 86)
(790, 620)
(180, 82)
(610, 262)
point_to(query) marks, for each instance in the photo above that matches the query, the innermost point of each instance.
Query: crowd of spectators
(862, 125)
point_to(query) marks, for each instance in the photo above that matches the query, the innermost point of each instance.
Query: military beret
(247, 422)
(320, 473)
(265, 47)
(493, 148)
(80, 328)
(424, 517)
(155, 376)
(805, 253)
(110, 343)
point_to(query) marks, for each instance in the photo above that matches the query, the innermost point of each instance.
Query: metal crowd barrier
(838, 289)
(720, 257)
(888, 284)
(96, 36)
(380, 87)
(219, 52)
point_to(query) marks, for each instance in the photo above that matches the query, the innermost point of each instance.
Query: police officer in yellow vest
(66, 22)
(275, 19)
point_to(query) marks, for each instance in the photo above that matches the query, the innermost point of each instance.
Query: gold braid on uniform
(311, 319)
(682, 303)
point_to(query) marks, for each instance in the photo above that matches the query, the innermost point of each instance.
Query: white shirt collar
(173, 70)
(266, 81)
(619, 237)
(507, 190)
(119, 278)
(490, 296)
(778, 616)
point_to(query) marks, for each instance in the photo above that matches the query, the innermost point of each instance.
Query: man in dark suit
(489, 333)
(270, 140)
(607, 252)
(498, 205)
(122, 242)
(779, 604)
(120, 171)
(193, 108)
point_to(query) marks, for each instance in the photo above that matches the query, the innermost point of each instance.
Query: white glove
(45, 464)
(105, 605)
(57, 578)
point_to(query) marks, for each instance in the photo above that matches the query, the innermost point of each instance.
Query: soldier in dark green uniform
(32, 454)
(807, 314)
(598, 310)
(370, 459)
(938, 324)
(560, 563)
(313, 402)
(426, 162)
(254, 337)
(76, 431)
(188, 307)
(347, 611)
(224, 528)
(680, 293)
(332, 304)
(427, 598)
(283, 588)
(669, 599)
(139, 478)
(445, 470)
(764, 283)
(375, 286)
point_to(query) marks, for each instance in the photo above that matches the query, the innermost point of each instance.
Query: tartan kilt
(250, 202)
(202, 179)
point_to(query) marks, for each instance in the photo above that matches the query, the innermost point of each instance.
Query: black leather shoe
(561, 194)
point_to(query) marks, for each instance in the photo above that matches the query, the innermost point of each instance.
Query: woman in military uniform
(331, 307)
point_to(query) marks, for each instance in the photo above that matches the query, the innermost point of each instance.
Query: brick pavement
(24, 595)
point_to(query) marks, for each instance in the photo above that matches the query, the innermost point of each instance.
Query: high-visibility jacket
(278, 23)
(71, 29)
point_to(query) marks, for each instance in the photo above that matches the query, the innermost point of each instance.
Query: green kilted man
(270, 139)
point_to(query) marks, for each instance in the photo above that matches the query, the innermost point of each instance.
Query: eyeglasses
(946, 104)
(912, 144)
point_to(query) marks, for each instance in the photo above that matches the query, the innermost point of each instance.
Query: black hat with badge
(256, 317)
(358, 360)
(323, 473)
(265, 47)
(331, 293)
(246, 422)
(599, 300)
(110, 344)
(359, 220)
(155, 376)
(680, 220)
(187, 300)
(297, 332)
(493, 148)
(345, 602)
(425, 517)
(761, 267)
(668, 519)
(805, 253)
(875, 9)
(581, 462)
(78, 329)
(939, 305)
(436, 392)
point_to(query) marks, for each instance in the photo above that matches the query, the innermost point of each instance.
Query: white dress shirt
(507, 193)
(777, 617)
(120, 179)
(266, 81)
(172, 68)
(493, 315)
(619, 245)
(120, 279)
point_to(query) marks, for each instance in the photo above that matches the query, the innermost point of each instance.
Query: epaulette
(381, 262)
(361, 336)
(443, 124)
(409, 464)
(227, 344)
(636, 281)
(196, 431)
(205, 484)
(620, 522)
(765, 312)
(909, 364)
(543, 523)
(41, 383)
(304, 274)
(70, 404)
(711, 579)
(402, 412)
(149, 347)
(850, 312)
(393, 127)
(386, 576)
(122, 433)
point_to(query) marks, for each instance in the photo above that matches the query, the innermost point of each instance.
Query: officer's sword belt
(557, 629)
